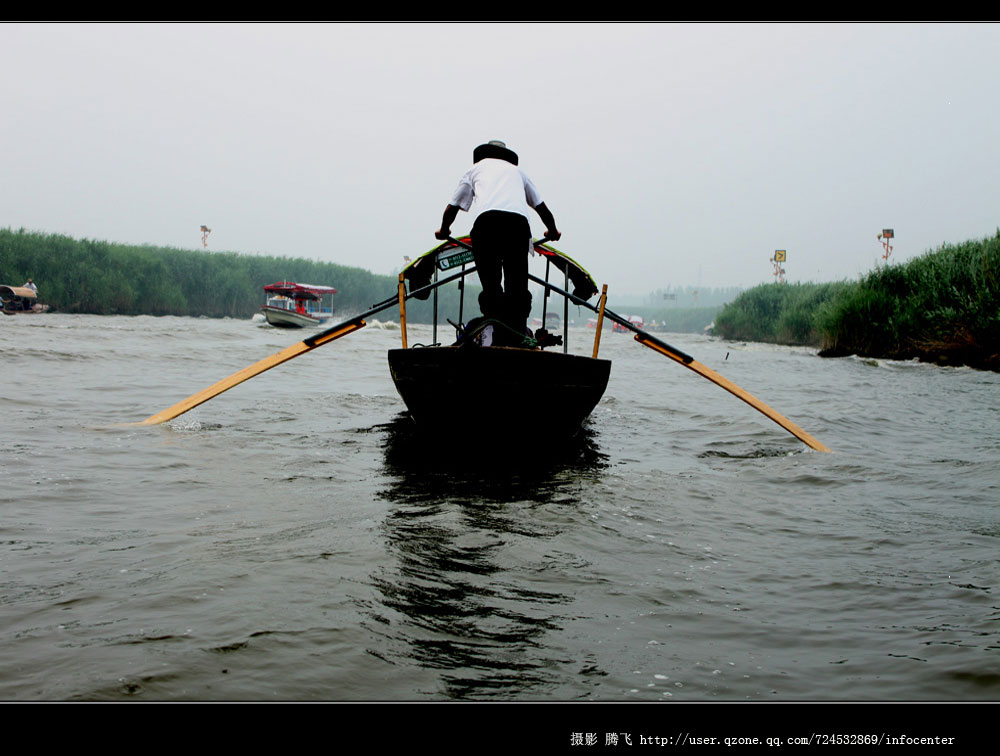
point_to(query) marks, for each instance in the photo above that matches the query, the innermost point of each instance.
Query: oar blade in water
(733, 389)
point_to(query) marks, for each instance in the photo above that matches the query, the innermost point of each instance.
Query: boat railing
(422, 292)
(449, 261)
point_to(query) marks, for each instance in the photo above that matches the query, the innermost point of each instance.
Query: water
(294, 539)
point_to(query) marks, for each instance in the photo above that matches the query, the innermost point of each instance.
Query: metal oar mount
(689, 362)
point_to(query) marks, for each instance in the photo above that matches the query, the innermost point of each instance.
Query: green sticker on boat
(456, 258)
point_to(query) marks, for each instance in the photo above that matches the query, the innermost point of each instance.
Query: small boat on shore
(20, 300)
(295, 305)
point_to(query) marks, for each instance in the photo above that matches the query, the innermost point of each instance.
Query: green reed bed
(777, 313)
(104, 278)
(943, 307)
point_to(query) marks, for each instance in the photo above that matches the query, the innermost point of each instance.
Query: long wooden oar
(689, 362)
(256, 369)
(666, 350)
(306, 345)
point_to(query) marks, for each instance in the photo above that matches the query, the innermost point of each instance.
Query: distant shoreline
(942, 307)
(104, 278)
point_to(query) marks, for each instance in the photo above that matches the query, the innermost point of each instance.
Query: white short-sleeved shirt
(494, 184)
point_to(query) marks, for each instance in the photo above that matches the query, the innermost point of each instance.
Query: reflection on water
(464, 526)
(464, 469)
(288, 540)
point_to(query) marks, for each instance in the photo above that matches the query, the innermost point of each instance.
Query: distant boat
(20, 300)
(295, 305)
(635, 320)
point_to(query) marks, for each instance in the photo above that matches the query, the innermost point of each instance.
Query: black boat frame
(507, 388)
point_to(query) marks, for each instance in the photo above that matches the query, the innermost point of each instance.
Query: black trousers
(500, 241)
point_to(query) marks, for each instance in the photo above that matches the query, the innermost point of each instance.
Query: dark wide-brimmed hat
(494, 149)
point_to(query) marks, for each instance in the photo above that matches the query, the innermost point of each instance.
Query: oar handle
(321, 338)
(458, 243)
(534, 242)
(643, 336)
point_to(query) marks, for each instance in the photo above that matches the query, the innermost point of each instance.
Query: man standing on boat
(501, 234)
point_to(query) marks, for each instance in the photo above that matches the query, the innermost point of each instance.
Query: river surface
(294, 539)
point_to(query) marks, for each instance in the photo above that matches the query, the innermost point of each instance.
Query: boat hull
(281, 318)
(498, 392)
(20, 300)
(33, 310)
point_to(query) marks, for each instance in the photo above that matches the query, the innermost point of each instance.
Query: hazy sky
(670, 154)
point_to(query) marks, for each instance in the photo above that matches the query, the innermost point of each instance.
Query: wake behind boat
(295, 305)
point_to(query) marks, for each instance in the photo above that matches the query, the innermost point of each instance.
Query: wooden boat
(635, 320)
(294, 305)
(20, 300)
(502, 389)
